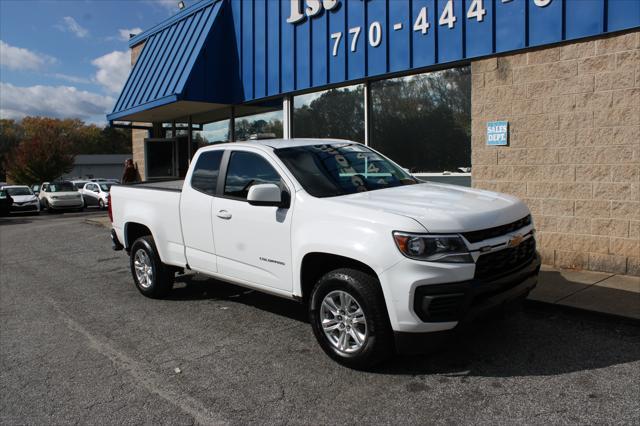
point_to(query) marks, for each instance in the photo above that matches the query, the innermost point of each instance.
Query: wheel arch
(315, 264)
(133, 231)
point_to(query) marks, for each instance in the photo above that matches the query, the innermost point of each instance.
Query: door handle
(223, 214)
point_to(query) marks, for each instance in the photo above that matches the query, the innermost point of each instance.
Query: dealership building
(536, 98)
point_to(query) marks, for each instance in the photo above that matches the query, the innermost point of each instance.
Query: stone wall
(138, 136)
(574, 148)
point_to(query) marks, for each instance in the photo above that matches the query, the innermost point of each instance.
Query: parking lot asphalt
(79, 344)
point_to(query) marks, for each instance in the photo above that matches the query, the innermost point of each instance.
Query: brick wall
(574, 149)
(138, 136)
(137, 148)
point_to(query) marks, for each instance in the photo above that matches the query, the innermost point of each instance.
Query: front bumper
(66, 204)
(426, 297)
(445, 307)
(24, 208)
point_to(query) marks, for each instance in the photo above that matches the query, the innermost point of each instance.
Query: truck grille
(485, 234)
(493, 265)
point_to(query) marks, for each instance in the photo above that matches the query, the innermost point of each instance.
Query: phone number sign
(498, 133)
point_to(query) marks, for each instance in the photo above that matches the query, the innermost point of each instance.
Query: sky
(69, 58)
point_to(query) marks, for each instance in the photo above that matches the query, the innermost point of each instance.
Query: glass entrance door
(166, 157)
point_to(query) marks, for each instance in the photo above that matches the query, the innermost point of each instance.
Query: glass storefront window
(423, 122)
(211, 133)
(335, 113)
(259, 121)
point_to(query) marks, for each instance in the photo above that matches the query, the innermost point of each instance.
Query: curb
(548, 306)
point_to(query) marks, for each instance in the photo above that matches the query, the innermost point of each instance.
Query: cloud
(124, 32)
(113, 70)
(71, 78)
(170, 6)
(18, 58)
(69, 24)
(51, 101)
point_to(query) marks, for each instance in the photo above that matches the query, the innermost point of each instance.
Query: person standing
(130, 173)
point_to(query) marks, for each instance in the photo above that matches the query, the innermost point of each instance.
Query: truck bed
(162, 185)
(158, 209)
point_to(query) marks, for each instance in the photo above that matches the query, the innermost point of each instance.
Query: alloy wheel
(144, 270)
(343, 321)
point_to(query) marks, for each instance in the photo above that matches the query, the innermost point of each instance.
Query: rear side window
(245, 170)
(205, 173)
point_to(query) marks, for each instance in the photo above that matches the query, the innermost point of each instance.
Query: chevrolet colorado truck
(380, 258)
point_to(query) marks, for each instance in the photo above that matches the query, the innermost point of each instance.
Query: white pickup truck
(378, 257)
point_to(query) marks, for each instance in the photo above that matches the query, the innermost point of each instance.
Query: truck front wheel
(349, 318)
(153, 278)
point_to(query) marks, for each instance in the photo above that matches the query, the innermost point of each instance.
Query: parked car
(35, 188)
(96, 194)
(5, 202)
(79, 184)
(380, 259)
(60, 195)
(24, 200)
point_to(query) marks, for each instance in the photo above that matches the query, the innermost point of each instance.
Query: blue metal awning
(164, 70)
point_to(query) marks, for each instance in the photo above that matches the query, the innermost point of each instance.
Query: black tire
(365, 289)
(46, 206)
(162, 275)
(101, 204)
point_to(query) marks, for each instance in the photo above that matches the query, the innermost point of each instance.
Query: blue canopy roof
(165, 66)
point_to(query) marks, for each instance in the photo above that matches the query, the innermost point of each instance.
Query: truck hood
(444, 208)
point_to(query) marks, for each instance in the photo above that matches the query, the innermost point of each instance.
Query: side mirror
(266, 194)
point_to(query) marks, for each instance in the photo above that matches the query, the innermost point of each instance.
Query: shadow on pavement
(528, 342)
(190, 287)
(14, 221)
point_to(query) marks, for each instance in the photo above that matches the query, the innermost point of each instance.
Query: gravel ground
(79, 344)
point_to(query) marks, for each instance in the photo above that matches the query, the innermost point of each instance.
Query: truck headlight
(433, 248)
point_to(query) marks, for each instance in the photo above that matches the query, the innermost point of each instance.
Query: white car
(24, 200)
(60, 195)
(79, 184)
(380, 259)
(96, 194)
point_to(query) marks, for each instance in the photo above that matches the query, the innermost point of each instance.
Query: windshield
(19, 191)
(80, 185)
(105, 187)
(341, 169)
(61, 187)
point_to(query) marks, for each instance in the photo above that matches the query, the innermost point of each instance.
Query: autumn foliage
(40, 149)
(41, 156)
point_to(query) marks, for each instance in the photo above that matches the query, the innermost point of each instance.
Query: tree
(45, 153)
(10, 136)
(58, 139)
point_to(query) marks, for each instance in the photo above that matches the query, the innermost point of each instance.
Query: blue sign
(498, 133)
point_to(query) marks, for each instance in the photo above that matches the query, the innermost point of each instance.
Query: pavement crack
(143, 375)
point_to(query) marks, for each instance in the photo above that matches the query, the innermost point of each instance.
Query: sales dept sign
(498, 133)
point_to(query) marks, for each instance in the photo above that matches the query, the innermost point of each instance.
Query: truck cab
(378, 257)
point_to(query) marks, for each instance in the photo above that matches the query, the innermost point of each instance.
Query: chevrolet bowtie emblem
(515, 240)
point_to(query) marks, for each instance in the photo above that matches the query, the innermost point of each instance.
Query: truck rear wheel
(152, 277)
(349, 318)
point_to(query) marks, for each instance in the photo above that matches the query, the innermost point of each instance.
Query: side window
(205, 172)
(246, 169)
